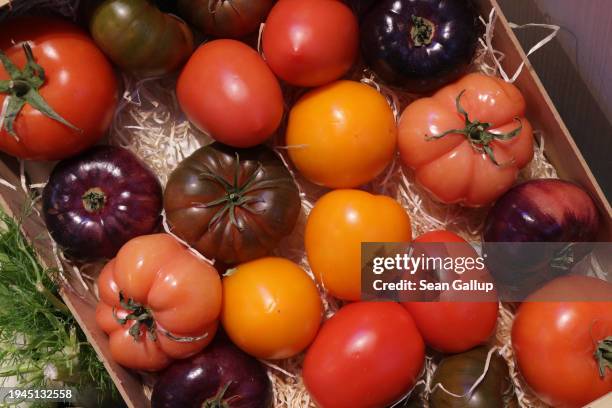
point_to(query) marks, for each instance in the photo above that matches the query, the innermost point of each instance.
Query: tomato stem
(422, 31)
(217, 400)
(94, 200)
(478, 134)
(236, 194)
(603, 355)
(23, 88)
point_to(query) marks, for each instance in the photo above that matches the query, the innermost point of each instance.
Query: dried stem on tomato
(478, 134)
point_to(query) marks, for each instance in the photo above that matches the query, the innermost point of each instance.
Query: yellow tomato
(339, 222)
(271, 308)
(342, 135)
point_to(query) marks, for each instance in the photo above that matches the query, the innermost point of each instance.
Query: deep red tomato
(453, 327)
(310, 43)
(78, 84)
(557, 343)
(368, 355)
(228, 91)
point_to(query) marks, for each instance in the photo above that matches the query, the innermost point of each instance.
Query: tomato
(255, 202)
(228, 91)
(561, 338)
(78, 87)
(337, 225)
(225, 18)
(368, 355)
(310, 43)
(453, 326)
(271, 308)
(140, 38)
(341, 135)
(158, 301)
(458, 373)
(471, 162)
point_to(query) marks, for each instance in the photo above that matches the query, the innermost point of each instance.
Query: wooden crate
(560, 149)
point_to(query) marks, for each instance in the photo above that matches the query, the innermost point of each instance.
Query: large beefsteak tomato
(468, 141)
(158, 301)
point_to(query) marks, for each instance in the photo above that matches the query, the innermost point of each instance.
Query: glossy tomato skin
(271, 308)
(457, 374)
(343, 134)
(337, 225)
(96, 202)
(449, 167)
(453, 326)
(80, 86)
(544, 211)
(554, 337)
(396, 55)
(226, 18)
(200, 379)
(179, 292)
(310, 43)
(270, 210)
(228, 91)
(368, 355)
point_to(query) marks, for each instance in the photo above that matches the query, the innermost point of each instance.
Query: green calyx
(478, 134)
(218, 400)
(140, 314)
(23, 88)
(603, 355)
(422, 31)
(237, 195)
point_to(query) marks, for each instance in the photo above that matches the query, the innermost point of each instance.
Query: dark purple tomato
(360, 7)
(420, 45)
(233, 205)
(540, 221)
(97, 201)
(221, 376)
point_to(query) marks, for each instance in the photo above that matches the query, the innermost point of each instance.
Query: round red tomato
(561, 338)
(228, 91)
(453, 327)
(75, 83)
(310, 43)
(368, 355)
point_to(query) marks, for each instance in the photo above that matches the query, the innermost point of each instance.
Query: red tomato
(453, 327)
(228, 91)
(79, 85)
(368, 355)
(555, 342)
(310, 43)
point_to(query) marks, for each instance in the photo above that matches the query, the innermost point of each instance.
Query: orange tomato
(175, 295)
(337, 225)
(271, 308)
(342, 135)
(476, 167)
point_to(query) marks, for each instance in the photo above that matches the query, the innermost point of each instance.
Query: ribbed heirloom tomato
(158, 301)
(468, 141)
(228, 91)
(337, 225)
(453, 326)
(341, 135)
(75, 84)
(368, 355)
(271, 308)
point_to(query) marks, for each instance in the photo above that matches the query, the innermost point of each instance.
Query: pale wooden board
(3, 2)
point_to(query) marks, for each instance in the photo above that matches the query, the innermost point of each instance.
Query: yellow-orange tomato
(456, 168)
(153, 296)
(341, 135)
(339, 222)
(271, 308)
